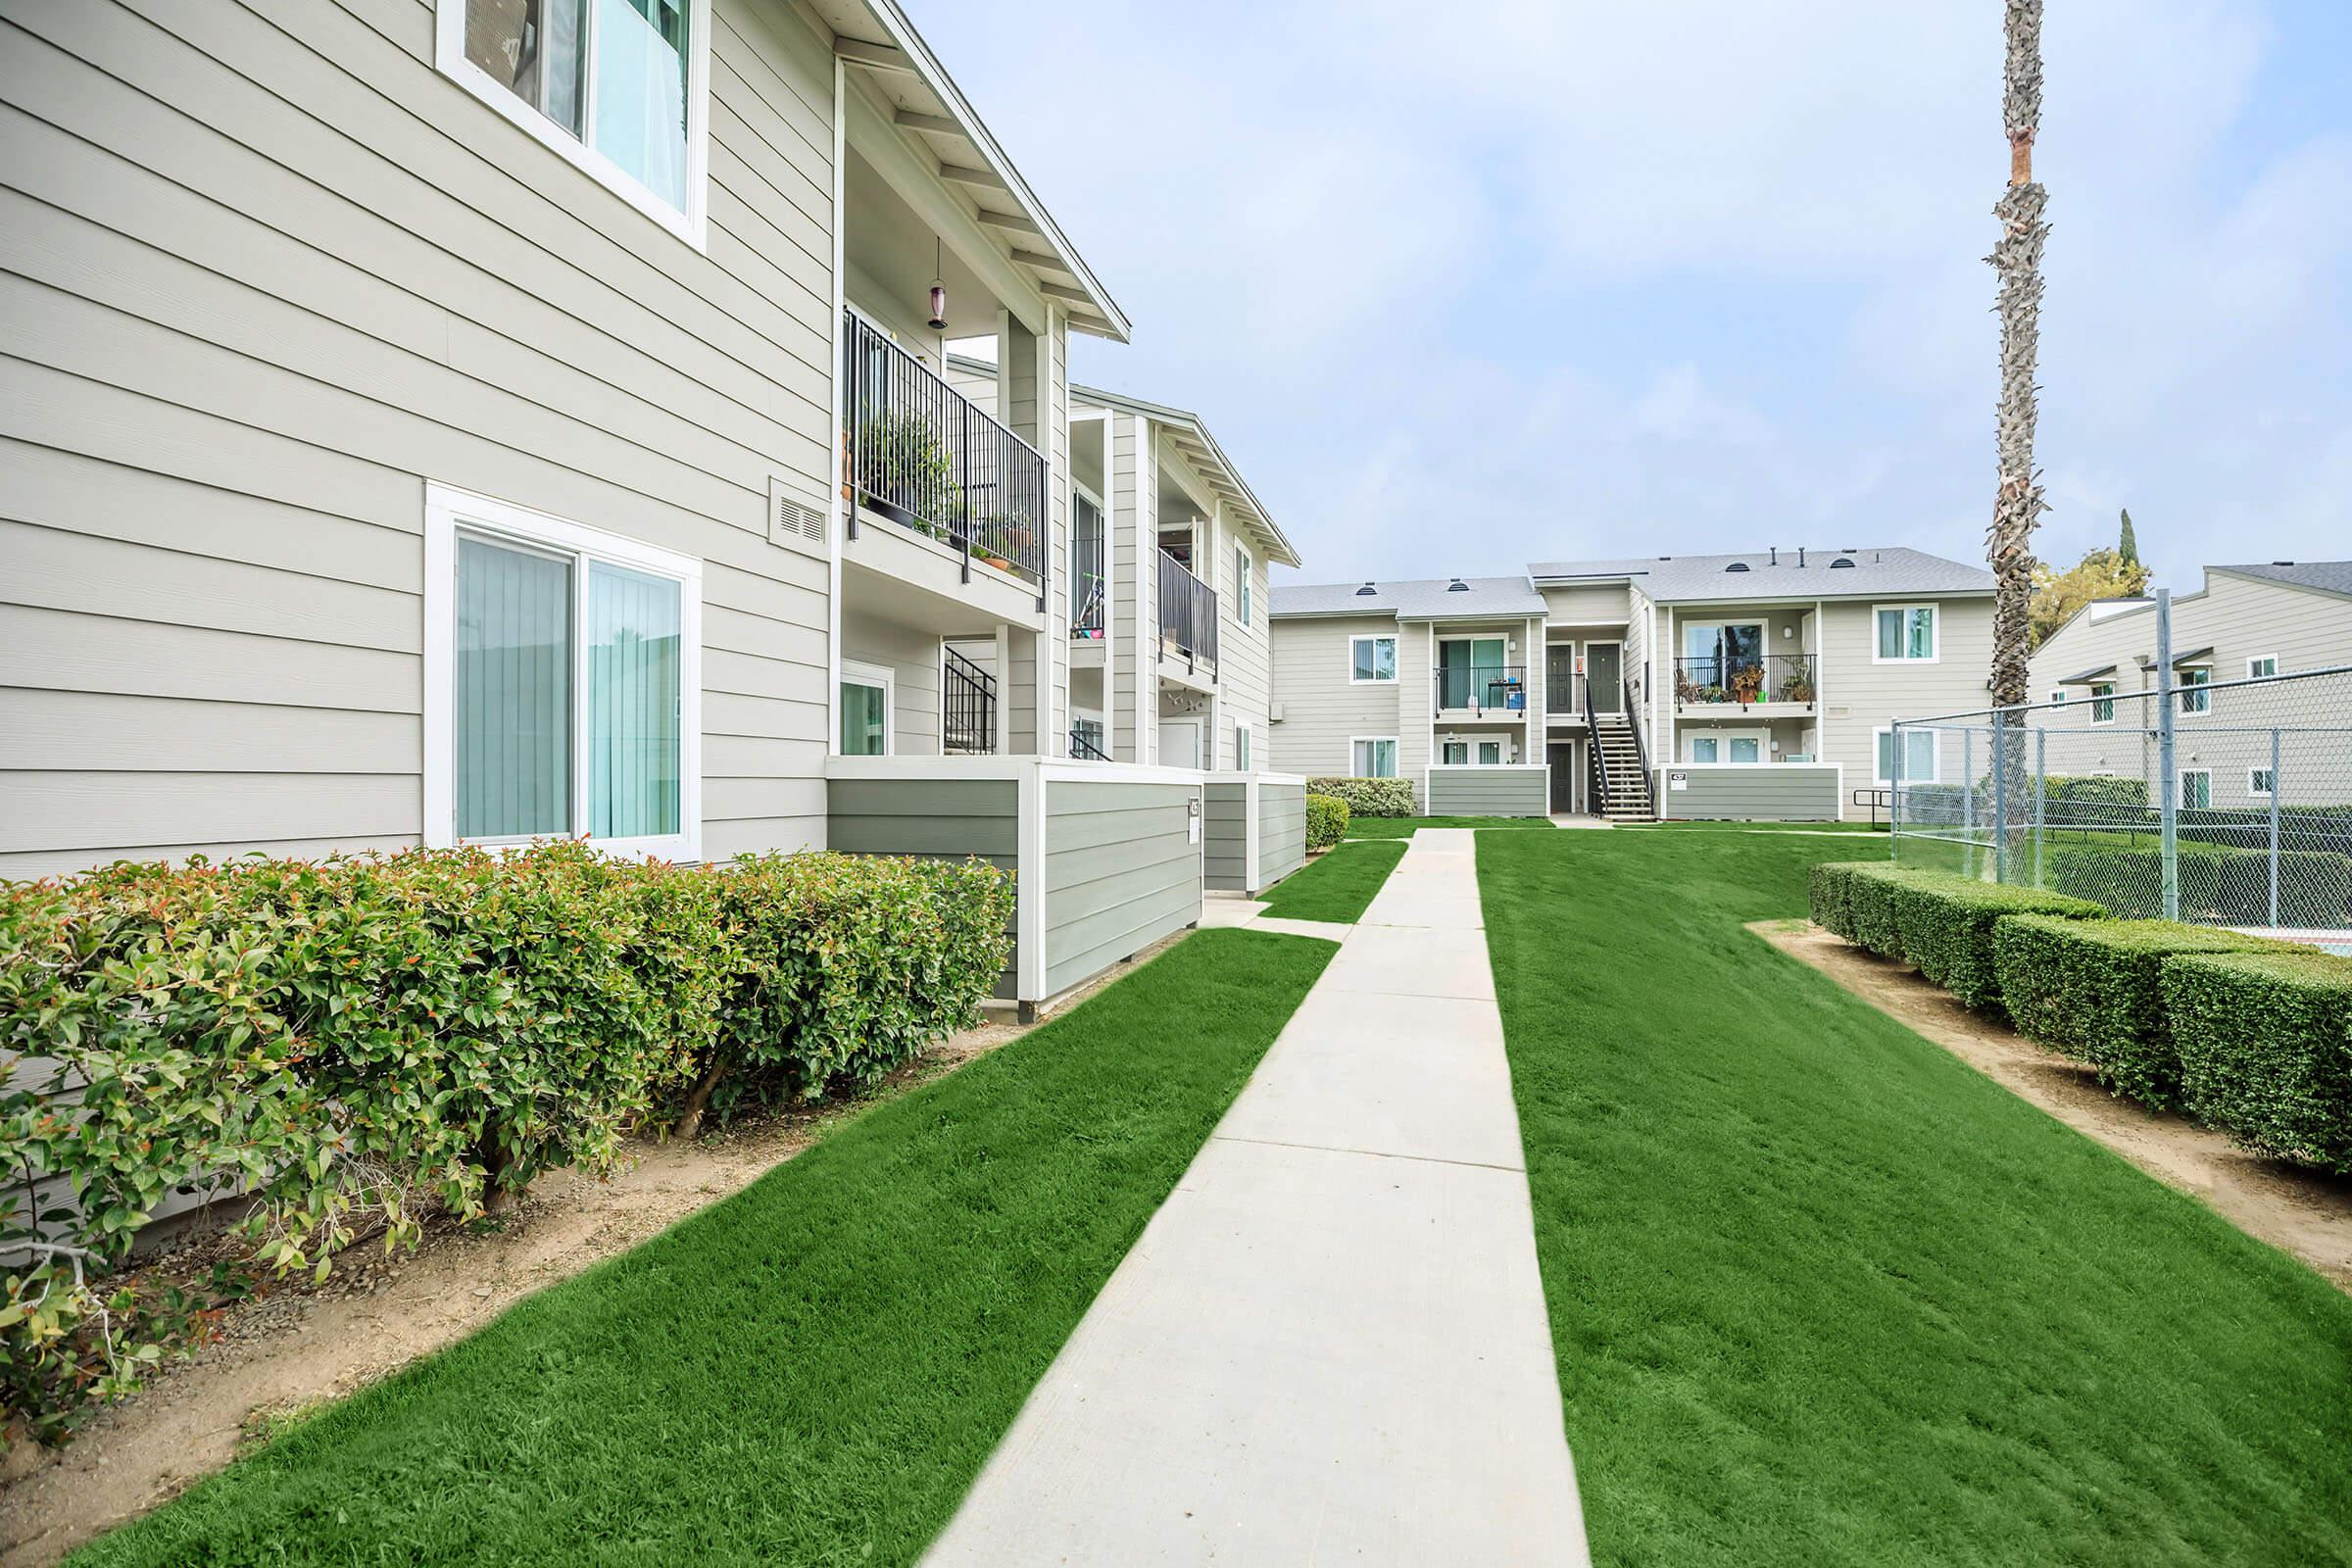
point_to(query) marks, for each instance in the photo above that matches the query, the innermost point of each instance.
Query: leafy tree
(2100, 574)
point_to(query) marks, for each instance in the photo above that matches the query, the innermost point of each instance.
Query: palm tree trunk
(2018, 502)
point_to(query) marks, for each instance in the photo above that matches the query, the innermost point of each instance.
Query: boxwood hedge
(1368, 797)
(2095, 990)
(1946, 925)
(340, 1041)
(1326, 821)
(2265, 1049)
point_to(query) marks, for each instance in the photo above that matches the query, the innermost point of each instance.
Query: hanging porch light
(939, 289)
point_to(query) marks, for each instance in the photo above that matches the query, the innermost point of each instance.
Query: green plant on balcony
(1747, 683)
(1798, 685)
(906, 473)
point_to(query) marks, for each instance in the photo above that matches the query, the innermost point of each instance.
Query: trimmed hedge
(1326, 821)
(1870, 905)
(1829, 894)
(1945, 924)
(1368, 797)
(343, 1040)
(2094, 991)
(2265, 1049)
(2229, 886)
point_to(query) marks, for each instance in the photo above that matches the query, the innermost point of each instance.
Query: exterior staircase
(1625, 787)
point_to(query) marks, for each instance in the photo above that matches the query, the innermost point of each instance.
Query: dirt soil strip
(298, 1347)
(2305, 1213)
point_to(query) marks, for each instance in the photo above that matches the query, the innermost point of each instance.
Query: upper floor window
(1371, 658)
(1241, 582)
(562, 682)
(2194, 699)
(2102, 702)
(1906, 634)
(2264, 666)
(618, 87)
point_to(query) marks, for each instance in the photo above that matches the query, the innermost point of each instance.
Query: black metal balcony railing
(1563, 691)
(1744, 678)
(920, 454)
(1087, 585)
(1481, 687)
(1188, 614)
(967, 706)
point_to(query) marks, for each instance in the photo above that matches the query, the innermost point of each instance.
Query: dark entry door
(1605, 675)
(1561, 755)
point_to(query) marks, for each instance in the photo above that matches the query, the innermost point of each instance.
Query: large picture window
(563, 690)
(616, 86)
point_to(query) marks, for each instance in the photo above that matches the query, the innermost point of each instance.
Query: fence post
(2169, 780)
(2276, 782)
(2042, 794)
(1968, 801)
(2000, 797)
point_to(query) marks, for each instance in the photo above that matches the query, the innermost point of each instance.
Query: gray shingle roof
(2328, 576)
(1424, 598)
(1879, 571)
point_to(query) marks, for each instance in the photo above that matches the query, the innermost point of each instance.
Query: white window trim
(1241, 748)
(2180, 789)
(2255, 791)
(692, 225)
(1935, 751)
(1395, 652)
(2271, 659)
(2095, 699)
(1356, 740)
(857, 672)
(1935, 634)
(448, 511)
(1243, 566)
(2182, 687)
(1500, 753)
(1701, 732)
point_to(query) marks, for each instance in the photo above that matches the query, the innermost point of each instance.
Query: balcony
(1498, 691)
(1745, 680)
(923, 456)
(1087, 586)
(1188, 614)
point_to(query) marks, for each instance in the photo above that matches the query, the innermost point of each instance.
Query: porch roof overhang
(929, 111)
(1191, 438)
(2099, 673)
(2195, 656)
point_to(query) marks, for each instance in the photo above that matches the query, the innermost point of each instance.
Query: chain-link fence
(2221, 802)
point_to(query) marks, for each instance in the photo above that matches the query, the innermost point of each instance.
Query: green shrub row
(1368, 797)
(341, 1042)
(1326, 821)
(2248, 1034)
(1941, 921)
(2095, 990)
(2226, 886)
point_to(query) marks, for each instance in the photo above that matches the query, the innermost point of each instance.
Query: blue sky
(1467, 286)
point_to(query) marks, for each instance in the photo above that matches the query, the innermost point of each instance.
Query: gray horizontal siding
(941, 819)
(265, 273)
(1225, 834)
(1489, 792)
(1121, 871)
(1780, 793)
(1281, 832)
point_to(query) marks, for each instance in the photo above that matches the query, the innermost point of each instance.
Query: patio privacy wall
(1763, 792)
(1107, 858)
(1260, 812)
(1513, 790)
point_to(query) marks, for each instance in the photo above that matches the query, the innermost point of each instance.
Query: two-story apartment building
(471, 421)
(1658, 685)
(2246, 621)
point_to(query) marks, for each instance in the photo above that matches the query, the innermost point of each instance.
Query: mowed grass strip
(1404, 827)
(1823, 1294)
(811, 1371)
(1336, 885)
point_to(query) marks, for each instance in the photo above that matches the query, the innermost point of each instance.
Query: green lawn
(1336, 885)
(1823, 1294)
(1404, 827)
(814, 1370)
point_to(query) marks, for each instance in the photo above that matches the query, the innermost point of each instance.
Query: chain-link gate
(2218, 803)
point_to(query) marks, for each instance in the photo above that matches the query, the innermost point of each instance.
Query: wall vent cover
(796, 514)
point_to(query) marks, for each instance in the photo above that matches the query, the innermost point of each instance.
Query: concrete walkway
(1329, 1345)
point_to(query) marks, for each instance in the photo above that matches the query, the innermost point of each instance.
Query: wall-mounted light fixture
(939, 288)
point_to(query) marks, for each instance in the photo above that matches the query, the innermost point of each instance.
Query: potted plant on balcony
(1747, 683)
(1797, 686)
(902, 466)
